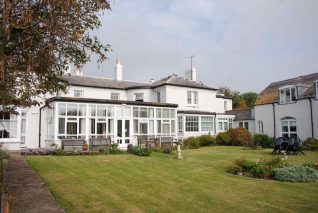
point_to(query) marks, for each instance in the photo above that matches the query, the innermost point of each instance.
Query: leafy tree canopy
(239, 101)
(38, 38)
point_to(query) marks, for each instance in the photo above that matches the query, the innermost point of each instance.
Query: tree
(250, 98)
(38, 38)
(239, 101)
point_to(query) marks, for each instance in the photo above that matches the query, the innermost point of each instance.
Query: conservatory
(123, 121)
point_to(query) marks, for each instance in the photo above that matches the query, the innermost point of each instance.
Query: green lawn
(160, 183)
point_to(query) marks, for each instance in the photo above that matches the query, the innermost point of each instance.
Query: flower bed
(275, 168)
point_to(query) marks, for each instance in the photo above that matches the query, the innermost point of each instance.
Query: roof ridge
(104, 78)
(295, 78)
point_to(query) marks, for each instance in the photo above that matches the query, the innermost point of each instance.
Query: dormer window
(287, 95)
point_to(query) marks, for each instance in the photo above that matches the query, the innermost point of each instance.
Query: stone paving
(25, 190)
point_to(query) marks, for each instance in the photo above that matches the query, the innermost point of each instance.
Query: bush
(4, 154)
(296, 174)
(223, 139)
(191, 143)
(263, 140)
(263, 168)
(311, 143)
(239, 136)
(140, 151)
(206, 140)
(312, 165)
(114, 149)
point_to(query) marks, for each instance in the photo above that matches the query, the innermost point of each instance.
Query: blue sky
(245, 44)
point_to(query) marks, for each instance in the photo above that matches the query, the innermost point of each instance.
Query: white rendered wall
(299, 110)
(96, 93)
(264, 113)
(207, 100)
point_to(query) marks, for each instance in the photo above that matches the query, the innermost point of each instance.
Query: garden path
(24, 189)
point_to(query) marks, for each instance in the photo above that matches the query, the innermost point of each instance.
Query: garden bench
(71, 144)
(99, 143)
(148, 141)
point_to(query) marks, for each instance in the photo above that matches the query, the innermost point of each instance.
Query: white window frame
(158, 96)
(139, 96)
(283, 95)
(10, 125)
(225, 105)
(207, 123)
(260, 125)
(78, 93)
(288, 121)
(192, 98)
(115, 96)
(192, 123)
(224, 124)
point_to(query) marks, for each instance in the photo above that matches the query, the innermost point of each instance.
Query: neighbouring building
(289, 108)
(244, 118)
(99, 107)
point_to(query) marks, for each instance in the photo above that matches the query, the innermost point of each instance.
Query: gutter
(274, 115)
(311, 118)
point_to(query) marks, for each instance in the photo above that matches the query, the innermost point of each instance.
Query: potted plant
(85, 147)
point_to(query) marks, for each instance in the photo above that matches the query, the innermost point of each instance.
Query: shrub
(260, 171)
(223, 139)
(239, 136)
(296, 174)
(263, 168)
(312, 165)
(4, 154)
(140, 151)
(206, 140)
(311, 143)
(114, 149)
(191, 143)
(263, 140)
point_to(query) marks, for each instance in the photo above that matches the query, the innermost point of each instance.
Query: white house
(289, 108)
(244, 118)
(99, 107)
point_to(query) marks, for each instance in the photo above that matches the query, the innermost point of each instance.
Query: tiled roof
(114, 84)
(180, 81)
(270, 93)
(242, 114)
(102, 82)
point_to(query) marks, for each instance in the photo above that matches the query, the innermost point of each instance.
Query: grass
(160, 183)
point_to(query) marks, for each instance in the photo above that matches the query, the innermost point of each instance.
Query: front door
(123, 132)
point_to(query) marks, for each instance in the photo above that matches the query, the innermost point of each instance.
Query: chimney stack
(118, 71)
(191, 74)
(78, 70)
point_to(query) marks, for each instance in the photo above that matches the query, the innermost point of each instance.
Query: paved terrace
(25, 190)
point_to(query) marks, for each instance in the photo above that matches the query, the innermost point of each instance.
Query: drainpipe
(312, 119)
(40, 115)
(215, 125)
(274, 115)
